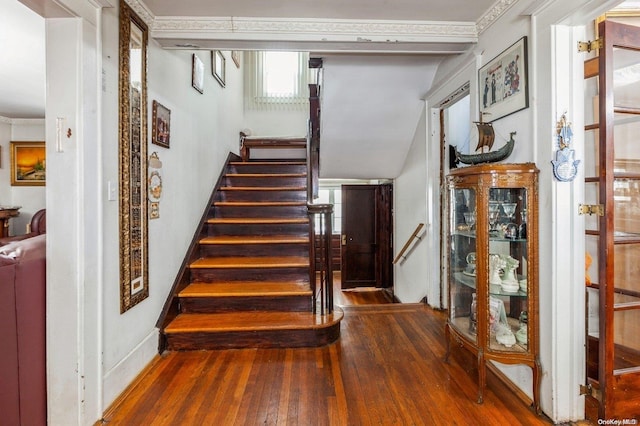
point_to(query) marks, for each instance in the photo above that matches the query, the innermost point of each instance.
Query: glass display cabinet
(492, 266)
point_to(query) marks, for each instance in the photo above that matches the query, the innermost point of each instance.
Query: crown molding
(333, 30)
(142, 10)
(22, 121)
(227, 28)
(495, 11)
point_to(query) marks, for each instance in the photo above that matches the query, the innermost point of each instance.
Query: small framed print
(161, 125)
(218, 66)
(503, 83)
(197, 74)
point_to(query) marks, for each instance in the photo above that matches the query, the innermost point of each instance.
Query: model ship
(486, 137)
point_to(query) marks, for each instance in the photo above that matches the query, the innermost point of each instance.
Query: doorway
(366, 238)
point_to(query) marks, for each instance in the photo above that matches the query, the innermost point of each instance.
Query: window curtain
(256, 96)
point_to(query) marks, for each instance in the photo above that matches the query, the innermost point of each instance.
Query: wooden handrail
(408, 243)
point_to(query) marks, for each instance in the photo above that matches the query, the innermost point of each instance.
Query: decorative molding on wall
(28, 121)
(142, 10)
(22, 121)
(415, 31)
(496, 11)
(418, 30)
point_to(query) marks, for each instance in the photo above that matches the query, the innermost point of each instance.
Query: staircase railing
(413, 237)
(320, 262)
(320, 228)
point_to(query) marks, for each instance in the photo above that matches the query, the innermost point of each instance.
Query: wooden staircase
(248, 282)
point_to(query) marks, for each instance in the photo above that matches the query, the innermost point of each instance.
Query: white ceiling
(415, 10)
(22, 69)
(367, 110)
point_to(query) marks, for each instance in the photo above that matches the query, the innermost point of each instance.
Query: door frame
(384, 235)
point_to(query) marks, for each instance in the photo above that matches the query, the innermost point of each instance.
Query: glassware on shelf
(494, 213)
(509, 209)
(521, 334)
(470, 219)
(522, 230)
(473, 315)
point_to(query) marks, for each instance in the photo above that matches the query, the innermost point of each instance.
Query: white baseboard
(123, 373)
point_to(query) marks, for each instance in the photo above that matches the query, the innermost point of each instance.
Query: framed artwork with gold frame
(28, 163)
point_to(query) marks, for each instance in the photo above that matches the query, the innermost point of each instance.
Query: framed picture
(197, 74)
(161, 118)
(503, 84)
(218, 66)
(235, 55)
(28, 163)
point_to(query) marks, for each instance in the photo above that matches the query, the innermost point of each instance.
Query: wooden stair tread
(247, 289)
(258, 220)
(255, 239)
(263, 188)
(263, 175)
(259, 203)
(251, 262)
(251, 321)
(268, 163)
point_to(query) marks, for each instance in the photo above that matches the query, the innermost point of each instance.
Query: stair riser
(243, 304)
(265, 181)
(249, 274)
(266, 168)
(224, 250)
(254, 339)
(266, 211)
(301, 229)
(257, 195)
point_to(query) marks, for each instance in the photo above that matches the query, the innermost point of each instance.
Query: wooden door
(366, 236)
(612, 179)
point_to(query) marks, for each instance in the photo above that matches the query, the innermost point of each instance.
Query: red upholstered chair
(38, 226)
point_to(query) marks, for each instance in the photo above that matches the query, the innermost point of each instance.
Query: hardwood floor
(386, 369)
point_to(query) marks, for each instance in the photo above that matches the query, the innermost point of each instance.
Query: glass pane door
(508, 295)
(625, 204)
(462, 261)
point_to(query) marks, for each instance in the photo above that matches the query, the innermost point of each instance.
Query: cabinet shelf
(493, 323)
(470, 281)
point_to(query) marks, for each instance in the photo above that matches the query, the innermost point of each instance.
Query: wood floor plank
(386, 369)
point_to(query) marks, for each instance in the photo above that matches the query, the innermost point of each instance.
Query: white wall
(452, 75)
(5, 162)
(412, 276)
(30, 198)
(204, 129)
(555, 86)
(281, 122)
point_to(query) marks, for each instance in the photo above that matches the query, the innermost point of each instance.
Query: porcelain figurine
(496, 264)
(509, 281)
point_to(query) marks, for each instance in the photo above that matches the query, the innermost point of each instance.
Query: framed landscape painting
(28, 164)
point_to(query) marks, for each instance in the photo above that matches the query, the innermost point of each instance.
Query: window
(331, 195)
(276, 80)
